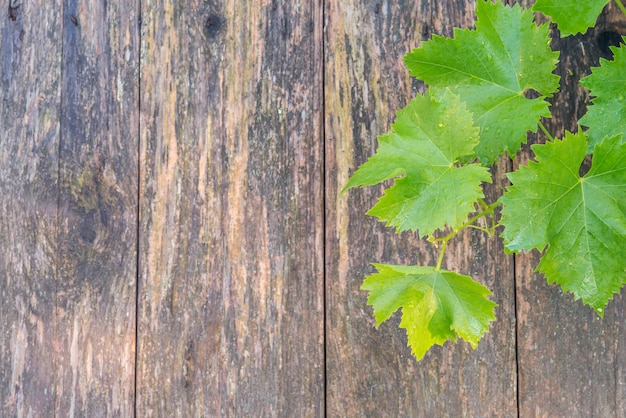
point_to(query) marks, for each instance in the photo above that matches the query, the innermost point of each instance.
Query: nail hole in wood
(13, 12)
(213, 25)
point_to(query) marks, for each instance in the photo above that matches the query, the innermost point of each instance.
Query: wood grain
(238, 122)
(97, 244)
(231, 268)
(571, 362)
(30, 98)
(371, 372)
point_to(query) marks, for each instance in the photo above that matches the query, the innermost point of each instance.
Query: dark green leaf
(607, 116)
(572, 16)
(580, 220)
(492, 68)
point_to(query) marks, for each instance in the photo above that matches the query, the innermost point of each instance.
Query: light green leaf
(572, 16)
(581, 220)
(492, 68)
(607, 116)
(436, 305)
(427, 140)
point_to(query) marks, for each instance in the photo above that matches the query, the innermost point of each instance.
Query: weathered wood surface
(181, 162)
(69, 221)
(571, 362)
(30, 98)
(96, 269)
(231, 238)
(372, 373)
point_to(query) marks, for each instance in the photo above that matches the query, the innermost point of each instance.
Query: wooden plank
(571, 362)
(98, 183)
(30, 73)
(371, 372)
(231, 243)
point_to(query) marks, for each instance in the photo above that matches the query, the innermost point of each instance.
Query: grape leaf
(491, 68)
(572, 16)
(581, 221)
(437, 305)
(607, 116)
(425, 143)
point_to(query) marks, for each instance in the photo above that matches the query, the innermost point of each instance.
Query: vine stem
(545, 130)
(621, 6)
(441, 254)
(488, 210)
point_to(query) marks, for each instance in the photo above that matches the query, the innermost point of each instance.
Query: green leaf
(491, 68)
(427, 140)
(572, 16)
(581, 221)
(607, 116)
(436, 305)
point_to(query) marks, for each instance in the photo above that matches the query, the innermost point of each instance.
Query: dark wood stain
(369, 371)
(173, 238)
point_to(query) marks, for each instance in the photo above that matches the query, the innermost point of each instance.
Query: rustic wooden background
(173, 242)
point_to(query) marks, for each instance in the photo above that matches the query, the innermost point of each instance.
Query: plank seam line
(516, 328)
(55, 360)
(322, 27)
(138, 213)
